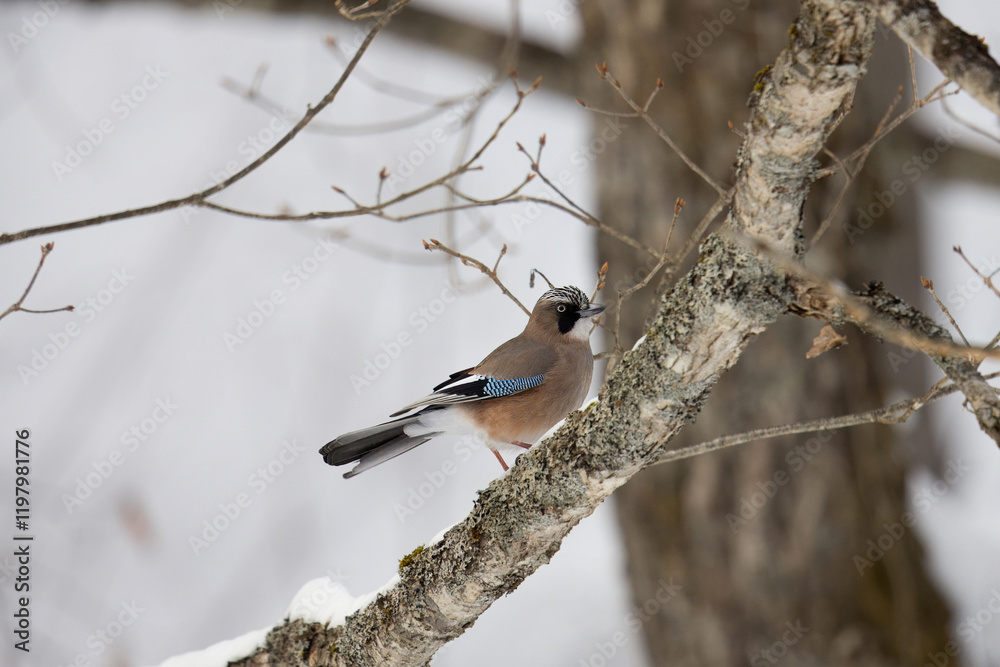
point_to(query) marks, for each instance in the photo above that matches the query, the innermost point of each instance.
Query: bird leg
(500, 459)
(522, 445)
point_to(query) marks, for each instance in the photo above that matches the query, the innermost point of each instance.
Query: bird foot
(500, 459)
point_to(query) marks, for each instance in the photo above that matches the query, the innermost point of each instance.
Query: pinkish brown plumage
(514, 396)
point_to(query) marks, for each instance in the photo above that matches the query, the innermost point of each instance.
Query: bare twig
(399, 91)
(623, 295)
(434, 244)
(896, 413)
(602, 276)
(17, 305)
(578, 211)
(200, 197)
(272, 106)
(830, 300)
(986, 279)
(851, 173)
(643, 113)
(965, 123)
(929, 286)
(883, 130)
(356, 13)
(531, 278)
(696, 236)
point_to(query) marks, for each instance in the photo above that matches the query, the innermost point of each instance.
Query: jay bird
(514, 396)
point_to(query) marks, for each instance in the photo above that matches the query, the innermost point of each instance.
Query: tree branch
(896, 413)
(703, 325)
(200, 198)
(960, 56)
(475, 263)
(879, 313)
(16, 306)
(963, 372)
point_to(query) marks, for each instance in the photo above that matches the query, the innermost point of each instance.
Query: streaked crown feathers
(569, 294)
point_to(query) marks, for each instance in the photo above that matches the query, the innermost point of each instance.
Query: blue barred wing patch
(496, 388)
(464, 387)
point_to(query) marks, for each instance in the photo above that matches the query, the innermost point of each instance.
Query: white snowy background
(245, 420)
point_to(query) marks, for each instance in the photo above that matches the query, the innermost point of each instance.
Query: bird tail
(373, 445)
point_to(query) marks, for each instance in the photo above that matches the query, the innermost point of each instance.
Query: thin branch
(199, 198)
(965, 123)
(896, 413)
(696, 236)
(607, 112)
(986, 279)
(395, 256)
(434, 244)
(602, 275)
(578, 211)
(17, 305)
(929, 286)
(861, 153)
(508, 62)
(531, 278)
(623, 295)
(643, 113)
(389, 88)
(830, 300)
(851, 172)
(273, 107)
(878, 312)
(437, 104)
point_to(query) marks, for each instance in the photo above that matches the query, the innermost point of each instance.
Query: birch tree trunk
(763, 538)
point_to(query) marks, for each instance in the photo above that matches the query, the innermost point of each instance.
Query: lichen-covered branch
(797, 104)
(981, 396)
(960, 56)
(893, 316)
(702, 326)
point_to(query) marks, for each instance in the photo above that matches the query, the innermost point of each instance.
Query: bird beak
(592, 310)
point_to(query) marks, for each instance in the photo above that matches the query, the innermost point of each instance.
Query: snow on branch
(701, 328)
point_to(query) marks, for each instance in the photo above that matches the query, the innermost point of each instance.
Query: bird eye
(561, 308)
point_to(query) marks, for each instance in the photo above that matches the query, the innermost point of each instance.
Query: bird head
(565, 310)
